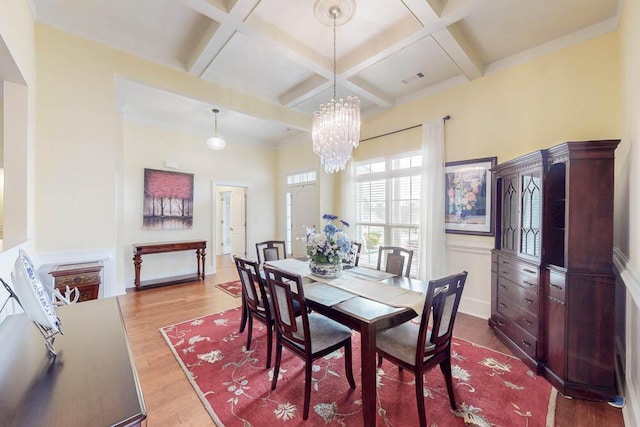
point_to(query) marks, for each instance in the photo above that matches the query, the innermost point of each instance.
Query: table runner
(359, 284)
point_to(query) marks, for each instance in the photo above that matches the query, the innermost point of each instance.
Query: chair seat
(324, 332)
(401, 342)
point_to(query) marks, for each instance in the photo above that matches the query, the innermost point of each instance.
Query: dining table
(367, 301)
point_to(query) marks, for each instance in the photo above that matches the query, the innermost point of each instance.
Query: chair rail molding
(631, 279)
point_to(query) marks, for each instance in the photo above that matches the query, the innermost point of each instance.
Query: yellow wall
(81, 151)
(238, 164)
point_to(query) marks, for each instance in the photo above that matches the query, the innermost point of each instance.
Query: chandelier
(214, 142)
(336, 125)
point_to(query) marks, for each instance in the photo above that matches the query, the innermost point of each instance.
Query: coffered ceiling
(388, 53)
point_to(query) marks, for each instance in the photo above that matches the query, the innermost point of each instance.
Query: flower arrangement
(331, 245)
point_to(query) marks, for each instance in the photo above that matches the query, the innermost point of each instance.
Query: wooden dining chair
(255, 302)
(308, 336)
(354, 255)
(394, 258)
(271, 250)
(416, 347)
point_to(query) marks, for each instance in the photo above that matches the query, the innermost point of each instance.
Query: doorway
(230, 228)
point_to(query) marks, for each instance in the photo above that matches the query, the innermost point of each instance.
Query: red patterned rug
(232, 288)
(491, 388)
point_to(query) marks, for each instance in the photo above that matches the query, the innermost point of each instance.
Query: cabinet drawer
(524, 275)
(556, 285)
(513, 311)
(77, 279)
(525, 298)
(521, 338)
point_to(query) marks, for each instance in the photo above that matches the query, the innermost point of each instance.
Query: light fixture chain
(334, 55)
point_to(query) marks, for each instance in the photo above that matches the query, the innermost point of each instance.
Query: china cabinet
(552, 268)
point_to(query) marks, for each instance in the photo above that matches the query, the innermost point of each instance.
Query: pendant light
(214, 142)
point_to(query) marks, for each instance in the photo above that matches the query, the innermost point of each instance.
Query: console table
(91, 382)
(140, 249)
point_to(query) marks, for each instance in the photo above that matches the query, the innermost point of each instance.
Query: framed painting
(168, 200)
(469, 198)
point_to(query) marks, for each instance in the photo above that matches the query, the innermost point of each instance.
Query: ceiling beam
(227, 17)
(457, 47)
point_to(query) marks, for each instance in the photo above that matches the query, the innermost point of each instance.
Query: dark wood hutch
(552, 266)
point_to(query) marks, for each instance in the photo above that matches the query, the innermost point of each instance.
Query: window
(387, 198)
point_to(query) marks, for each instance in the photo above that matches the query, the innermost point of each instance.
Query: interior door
(303, 214)
(225, 222)
(238, 222)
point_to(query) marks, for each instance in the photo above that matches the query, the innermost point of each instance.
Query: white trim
(475, 307)
(109, 286)
(478, 247)
(214, 219)
(630, 277)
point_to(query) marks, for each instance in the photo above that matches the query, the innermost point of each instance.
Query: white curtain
(432, 251)
(347, 211)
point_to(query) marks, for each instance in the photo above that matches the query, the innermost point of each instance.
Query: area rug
(491, 388)
(232, 288)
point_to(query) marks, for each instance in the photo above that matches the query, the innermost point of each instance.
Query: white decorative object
(35, 298)
(325, 270)
(336, 125)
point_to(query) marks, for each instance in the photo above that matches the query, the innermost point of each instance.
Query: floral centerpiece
(328, 248)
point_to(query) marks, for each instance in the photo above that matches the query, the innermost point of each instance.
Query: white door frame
(214, 218)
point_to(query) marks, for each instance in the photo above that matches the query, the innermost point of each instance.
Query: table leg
(368, 357)
(137, 261)
(204, 253)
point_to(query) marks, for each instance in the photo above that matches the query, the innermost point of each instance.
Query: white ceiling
(390, 52)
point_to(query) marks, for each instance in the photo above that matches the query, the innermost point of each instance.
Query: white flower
(285, 411)
(212, 356)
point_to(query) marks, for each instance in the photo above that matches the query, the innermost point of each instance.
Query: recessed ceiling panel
(415, 67)
(255, 69)
(296, 19)
(503, 28)
(164, 30)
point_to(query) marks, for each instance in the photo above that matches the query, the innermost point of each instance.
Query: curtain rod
(444, 119)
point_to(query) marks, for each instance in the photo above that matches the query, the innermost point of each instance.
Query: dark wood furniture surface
(308, 335)
(366, 317)
(84, 276)
(425, 346)
(92, 381)
(140, 249)
(553, 285)
(271, 250)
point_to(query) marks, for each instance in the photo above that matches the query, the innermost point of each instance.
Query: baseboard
(475, 307)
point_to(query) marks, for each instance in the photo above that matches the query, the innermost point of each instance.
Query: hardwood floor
(170, 398)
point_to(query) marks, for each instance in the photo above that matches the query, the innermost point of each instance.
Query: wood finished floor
(169, 397)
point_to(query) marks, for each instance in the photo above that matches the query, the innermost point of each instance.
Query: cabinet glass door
(531, 215)
(509, 223)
